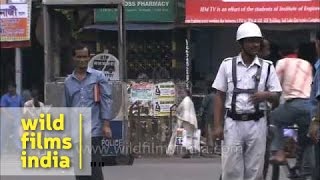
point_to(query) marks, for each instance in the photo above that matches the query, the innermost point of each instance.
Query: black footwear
(186, 156)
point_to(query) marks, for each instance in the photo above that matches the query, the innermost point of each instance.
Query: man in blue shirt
(81, 89)
(11, 125)
(11, 98)
(315, 110)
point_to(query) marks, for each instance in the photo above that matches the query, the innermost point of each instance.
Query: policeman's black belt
(246, 116)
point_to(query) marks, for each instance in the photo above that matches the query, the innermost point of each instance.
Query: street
(156, 169)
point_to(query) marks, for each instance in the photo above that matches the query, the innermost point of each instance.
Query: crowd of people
(247, 86)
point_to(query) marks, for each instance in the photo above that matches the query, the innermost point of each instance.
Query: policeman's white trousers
(243, 149)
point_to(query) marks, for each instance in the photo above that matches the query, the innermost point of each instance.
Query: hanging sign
(108, 64)
(15, 22)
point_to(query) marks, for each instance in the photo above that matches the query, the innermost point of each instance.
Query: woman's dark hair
(35, 96)
(318, 35)
(79, 46)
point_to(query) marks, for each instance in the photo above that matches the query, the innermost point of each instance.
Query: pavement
(196, 168)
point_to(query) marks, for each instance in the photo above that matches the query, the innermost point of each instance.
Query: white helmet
(248, 29)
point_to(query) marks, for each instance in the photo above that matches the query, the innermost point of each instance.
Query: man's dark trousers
(96, 159)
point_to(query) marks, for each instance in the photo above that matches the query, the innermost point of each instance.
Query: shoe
(186, 156)
(279, 158)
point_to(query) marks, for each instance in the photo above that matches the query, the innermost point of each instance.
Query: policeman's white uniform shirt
(246, 80)
(244, 142)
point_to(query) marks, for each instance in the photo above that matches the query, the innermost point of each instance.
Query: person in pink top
(295, 75)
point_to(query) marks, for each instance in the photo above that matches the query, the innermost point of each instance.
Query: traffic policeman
(244, 84)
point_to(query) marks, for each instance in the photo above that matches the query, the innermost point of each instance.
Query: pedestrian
(186, 119)
(295, 75)
(81, 90)
(206, 113)
(11, 124)
(30, 110)
(11, 98)
(275, 53)
(288, 50)
(34, 101)
(243, 84)
(26, 95)
(315, 111)
(265, 49)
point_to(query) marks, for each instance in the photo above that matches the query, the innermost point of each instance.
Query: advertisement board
(259, 11)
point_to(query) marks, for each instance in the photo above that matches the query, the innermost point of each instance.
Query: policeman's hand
(313, 131)
(107, 130)
(218, 133)
(258, 97)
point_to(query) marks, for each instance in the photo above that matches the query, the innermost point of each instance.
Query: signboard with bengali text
(15, 21)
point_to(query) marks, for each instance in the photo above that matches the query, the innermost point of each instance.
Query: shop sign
(15, 21)
(259, 11)
(140, 11)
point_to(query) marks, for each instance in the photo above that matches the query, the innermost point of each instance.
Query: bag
(188, 140)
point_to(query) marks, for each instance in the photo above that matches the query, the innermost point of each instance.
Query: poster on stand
(154, 99)
(142, 93)
(164, 98)
(162, 106)
(165, 89)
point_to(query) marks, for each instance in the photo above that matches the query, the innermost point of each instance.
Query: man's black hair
(318, 35)
(287, 48)
(79, 46)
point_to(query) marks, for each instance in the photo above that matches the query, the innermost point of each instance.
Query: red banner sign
(259, 11)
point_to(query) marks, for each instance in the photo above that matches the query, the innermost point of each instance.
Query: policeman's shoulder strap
(270, 63)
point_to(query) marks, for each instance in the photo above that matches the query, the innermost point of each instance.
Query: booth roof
(130, 27)
(81, 2)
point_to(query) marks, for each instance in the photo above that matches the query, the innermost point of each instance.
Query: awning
(81, 2)
(130, 27)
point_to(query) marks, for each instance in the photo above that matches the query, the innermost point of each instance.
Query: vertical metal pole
(47, 44)
(123, 72)
(47, 49)
(122, 43)
(18, 69)
(55, 52)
